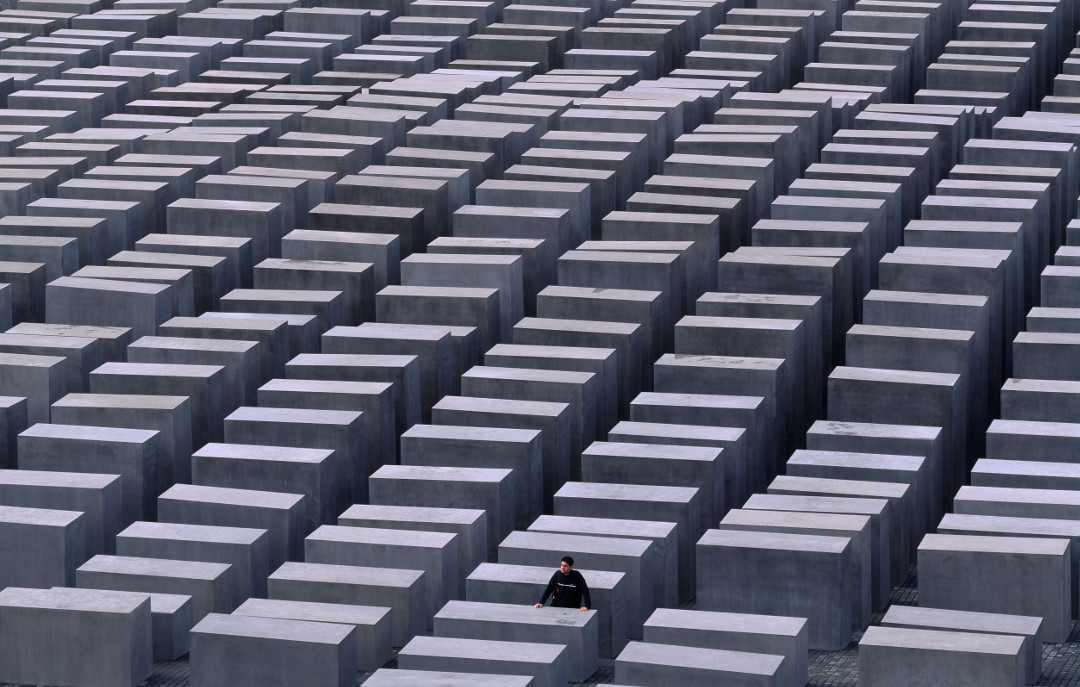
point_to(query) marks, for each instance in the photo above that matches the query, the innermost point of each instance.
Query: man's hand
(584, 609)
(538, 605)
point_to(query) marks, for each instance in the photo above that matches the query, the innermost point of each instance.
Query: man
(567, 588)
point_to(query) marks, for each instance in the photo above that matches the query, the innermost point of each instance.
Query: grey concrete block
(902, 656)
(781, 574)
(468, 524)
(280, 514)
(96, 496)
(49, 631)
(169, 415)
(1028, 627)
(1041, 568)
(398, 589)
(760, 634)
(245, 549)
(655, 664)
(518, 450)
(232, 649)
(435, 553)
(372, 623)
(400, 678)
(450, 487)
(208, 584)
(43, 547)
(333, 430)
(546, 663)
(134, 454)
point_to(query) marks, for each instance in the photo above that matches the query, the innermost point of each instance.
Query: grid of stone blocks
(328, 326)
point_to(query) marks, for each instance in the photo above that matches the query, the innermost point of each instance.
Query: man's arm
(586, 601)
(548, 590)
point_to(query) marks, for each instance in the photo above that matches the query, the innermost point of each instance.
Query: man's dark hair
(569, 560)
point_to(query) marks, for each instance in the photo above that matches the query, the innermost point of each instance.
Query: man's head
(566, 564)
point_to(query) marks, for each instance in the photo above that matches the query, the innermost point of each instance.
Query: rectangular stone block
(401, 371)
(28, 289)
(326, 306)
(107, 302)
(313, 473)
(271, 334)
(860, 437)
(208, 584)
(661, 465)
(433, 552)
(385, 677)
(13, 420)
(373, 400)
(168, 415)
(1039, 400)
(781, 270)
(551, 419)
(489, 489)
(619, 320)
(181, 288)
(171, 622)
(734, 461)
(569, 627)
(483, 447)
(233, 649)
(372, 623)
(469, 525)
(628, 270)
(758, 634)
(338, 431)
(42, 547)
(450, 306)
(354, 280)
(402, 591)
(1023, 474)
(761, 377)
(870, 588)
(902, 656)
(204, 385)
(301, 330)
(914, 398)
(212, 275)
(872, 467)
(781, 574)
(38, 379)
(545, 663)
(49, 631)
(652, 664)
(577, 389)
(500, 272)
(1015, 575)
(238, 359)
(260, 222)
(245, 549)
(898, 495)
(134, 454)
(96, 496)
(280, 514)
(1028, 627)
(90, 233)
(432, 346)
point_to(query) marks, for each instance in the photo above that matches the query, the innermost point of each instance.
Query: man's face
(564, 567)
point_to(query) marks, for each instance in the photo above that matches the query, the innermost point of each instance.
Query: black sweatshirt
(567, 591)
